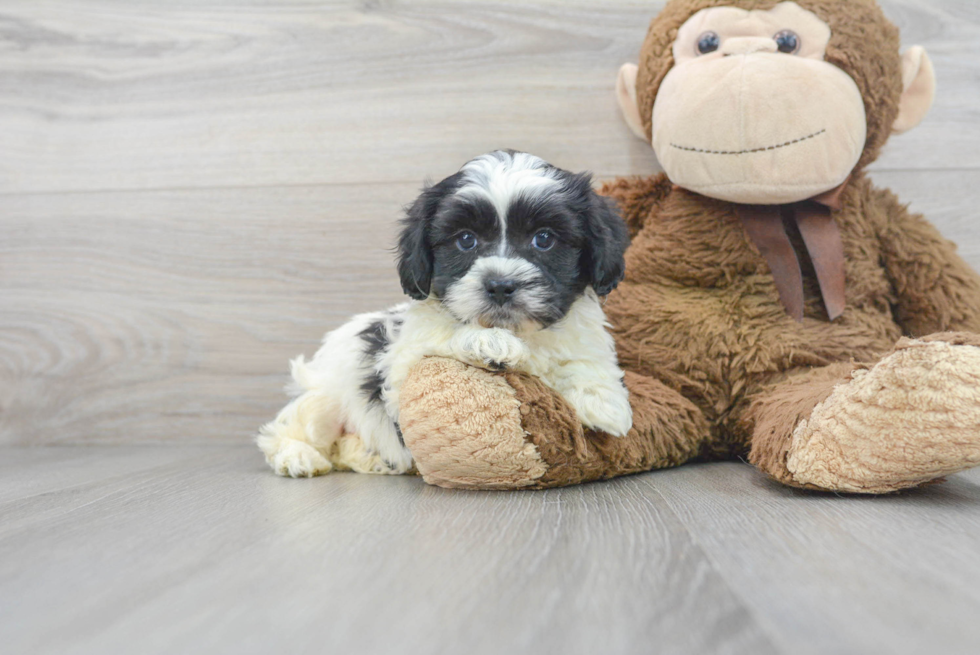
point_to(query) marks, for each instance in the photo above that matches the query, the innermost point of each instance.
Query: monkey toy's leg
(470, 428)
(909, 419)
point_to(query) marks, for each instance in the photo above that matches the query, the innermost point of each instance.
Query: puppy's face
(511, 241)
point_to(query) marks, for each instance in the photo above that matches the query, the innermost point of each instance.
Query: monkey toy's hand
(493, 348)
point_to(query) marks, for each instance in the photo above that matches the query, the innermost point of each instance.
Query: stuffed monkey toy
(776, 304)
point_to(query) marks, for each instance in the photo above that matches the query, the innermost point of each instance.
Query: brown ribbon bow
(764, 225)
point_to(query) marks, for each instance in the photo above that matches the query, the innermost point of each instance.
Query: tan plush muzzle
(739, 128)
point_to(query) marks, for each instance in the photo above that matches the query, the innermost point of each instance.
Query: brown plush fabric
(776, 410)
(667, 431)
(715, 365)
(470, 428)
(637, 197)
(863, 43)
(935, 289)
(699, 310)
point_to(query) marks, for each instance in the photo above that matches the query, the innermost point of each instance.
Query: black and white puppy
(506, 261)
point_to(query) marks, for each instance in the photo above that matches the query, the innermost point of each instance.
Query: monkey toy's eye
(787, 41)
(466, 241)
(708, 42)
(543, 240)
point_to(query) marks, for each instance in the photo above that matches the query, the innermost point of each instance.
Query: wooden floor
(192, 192)
(199, 549)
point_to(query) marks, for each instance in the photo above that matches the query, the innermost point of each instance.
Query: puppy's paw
(350, 454)
(493, 348)
(296, 459)
(606, 409)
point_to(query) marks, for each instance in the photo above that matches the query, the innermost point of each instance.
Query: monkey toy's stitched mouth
(753, 150)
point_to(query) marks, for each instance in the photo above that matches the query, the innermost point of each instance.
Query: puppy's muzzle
(500, 290)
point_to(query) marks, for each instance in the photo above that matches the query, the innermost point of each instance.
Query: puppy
(506, 261)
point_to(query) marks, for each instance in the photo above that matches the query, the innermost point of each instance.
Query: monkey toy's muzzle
(758, 128)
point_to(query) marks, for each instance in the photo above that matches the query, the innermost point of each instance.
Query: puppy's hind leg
(298, 442)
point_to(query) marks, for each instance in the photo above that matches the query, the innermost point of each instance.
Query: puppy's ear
(414, 250)
(607, 241)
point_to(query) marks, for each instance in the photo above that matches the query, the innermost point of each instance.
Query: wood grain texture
(841, 574)
(203, 550)
(211, 553)
(108, 95)
(170, 316)
(193, 193)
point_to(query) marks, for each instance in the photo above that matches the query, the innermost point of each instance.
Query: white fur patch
(467, 297)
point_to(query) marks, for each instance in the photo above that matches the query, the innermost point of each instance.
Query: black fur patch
(476, 215)
(375, 338)
(562, 273)
(414, 247)
(372, 387)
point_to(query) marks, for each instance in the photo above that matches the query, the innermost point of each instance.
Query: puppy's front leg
(597, 394)
(492, 348)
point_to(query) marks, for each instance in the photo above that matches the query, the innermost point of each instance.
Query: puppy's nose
(500, 290)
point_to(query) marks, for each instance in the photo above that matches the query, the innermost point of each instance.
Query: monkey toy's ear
(919, 89)
(414, 250)
(626, 95)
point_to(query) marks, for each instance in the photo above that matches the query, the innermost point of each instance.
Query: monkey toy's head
(768, 102)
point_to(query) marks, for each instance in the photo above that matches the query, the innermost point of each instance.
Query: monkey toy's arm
(636, 197)
(936, 290)
(472, 428)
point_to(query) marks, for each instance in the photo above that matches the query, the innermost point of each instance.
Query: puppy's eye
(543, 240)
(708, 42)
(787, 41)
(466, 241)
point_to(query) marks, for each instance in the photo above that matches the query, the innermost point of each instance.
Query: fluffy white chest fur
(335, 420)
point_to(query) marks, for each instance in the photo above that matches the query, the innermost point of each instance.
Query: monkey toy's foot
(912, 418)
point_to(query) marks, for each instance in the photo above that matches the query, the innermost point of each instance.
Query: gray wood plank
(204, 550)
(948, 138)
(214, 554)
(170, 316)
(106, 95)
(278, 143)
(841, 574)
(30, 472)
